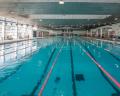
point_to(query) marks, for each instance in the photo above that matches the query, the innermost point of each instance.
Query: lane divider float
(103, 70)
(49, 73)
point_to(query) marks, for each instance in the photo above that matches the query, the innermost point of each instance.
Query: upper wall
(105, 29)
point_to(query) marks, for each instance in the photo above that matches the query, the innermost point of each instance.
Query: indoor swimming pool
(60, 66)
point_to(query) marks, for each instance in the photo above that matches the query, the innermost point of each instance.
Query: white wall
(114, 27)
(75, 32)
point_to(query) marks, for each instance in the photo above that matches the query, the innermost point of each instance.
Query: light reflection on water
(11, 55)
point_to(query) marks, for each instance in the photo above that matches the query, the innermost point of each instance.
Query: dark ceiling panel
(66, 22)
(69, 8)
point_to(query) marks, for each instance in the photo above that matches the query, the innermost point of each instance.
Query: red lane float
(49, 73)
(113, 79)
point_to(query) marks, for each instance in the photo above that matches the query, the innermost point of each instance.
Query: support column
(5, 29)
(42, 34)
(87, 33)
(97, 33)
(17, 30)
(56, 34)
(91, 33)
(101, 32)
(101, 44)
(3, 33)
(108, 34)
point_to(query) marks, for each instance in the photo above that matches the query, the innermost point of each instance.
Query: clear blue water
(24, 67)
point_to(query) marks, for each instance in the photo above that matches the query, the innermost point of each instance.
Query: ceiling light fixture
(61, 2)
(116, 18)
(40, 19)
(11, 12)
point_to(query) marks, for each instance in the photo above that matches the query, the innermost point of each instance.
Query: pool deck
(18, 40)
(117, 42)
(13, 41)
(105, 40)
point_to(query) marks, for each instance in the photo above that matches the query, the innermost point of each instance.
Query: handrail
(49, 73)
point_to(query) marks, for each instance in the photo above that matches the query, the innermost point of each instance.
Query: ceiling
(72, 12)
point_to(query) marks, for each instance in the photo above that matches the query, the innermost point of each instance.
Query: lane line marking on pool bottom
(113, 79)
(49, 73)
(72, 71)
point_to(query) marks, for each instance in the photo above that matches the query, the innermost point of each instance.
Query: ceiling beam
(98, 1)
(60, 16)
